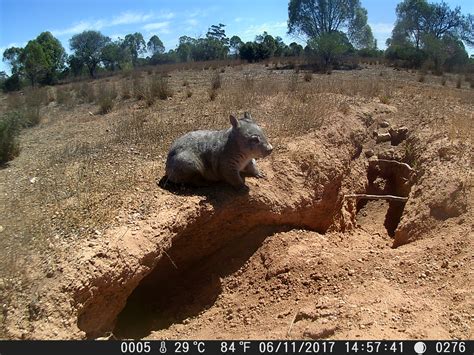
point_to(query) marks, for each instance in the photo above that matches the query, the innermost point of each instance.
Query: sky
(23, 20)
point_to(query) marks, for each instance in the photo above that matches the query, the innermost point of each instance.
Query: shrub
(34, 99)
(64, 97)
(138, 88)
(212, 94)
(105, 98)
(385, 99)
(308, 76)
(9, 129)
(159, 87)
(216, 81)
(13, 83)
(86, 92)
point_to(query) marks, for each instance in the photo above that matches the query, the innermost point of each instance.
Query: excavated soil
(294, 257)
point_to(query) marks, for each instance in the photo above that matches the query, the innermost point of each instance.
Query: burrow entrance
(172, 293)
(390, 178)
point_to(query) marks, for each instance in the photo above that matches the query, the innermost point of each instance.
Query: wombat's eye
(255, 139)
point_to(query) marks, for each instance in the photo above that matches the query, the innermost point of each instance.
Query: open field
(91, 245)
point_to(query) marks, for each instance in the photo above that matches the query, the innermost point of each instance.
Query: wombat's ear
(234, 121)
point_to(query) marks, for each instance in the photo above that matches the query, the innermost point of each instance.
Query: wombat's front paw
(260, 175)
(243, 189)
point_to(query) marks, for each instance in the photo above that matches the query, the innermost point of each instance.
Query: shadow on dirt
(172, 293)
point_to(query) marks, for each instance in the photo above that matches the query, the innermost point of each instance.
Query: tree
(329, 46)
(88, 47)
(248, 51)
(418, 19)
(55, 55)
(135, 44)
(295, 49)
(360, 32)
(314, 18)
(116, 56)
(76, 66)
(12, 56)
(216, 42)
(432, 31)
(35, 62)
(184, 48)
(235, 42)
(280, 47)
(155, 45)
(467, 33)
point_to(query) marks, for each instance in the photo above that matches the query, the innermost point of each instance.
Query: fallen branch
(377, 197)
(395, 162)
(169, 257)
(291, 324)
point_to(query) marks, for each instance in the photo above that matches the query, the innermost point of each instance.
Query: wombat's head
(250, 137)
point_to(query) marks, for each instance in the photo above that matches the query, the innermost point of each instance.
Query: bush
(64, 97)
(34, 99)
(86, 92)
(407, 53)
(105, 98)
(138, 88)
(159, 87)
(13, 83)
(216, 81)
(9, 129)
(212, 94)
(308, 76)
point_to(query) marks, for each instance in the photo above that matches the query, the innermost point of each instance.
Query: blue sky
(22, 20)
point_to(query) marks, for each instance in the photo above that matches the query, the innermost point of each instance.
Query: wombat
(200, 157)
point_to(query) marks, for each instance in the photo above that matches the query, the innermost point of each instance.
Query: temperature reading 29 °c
(183, 347)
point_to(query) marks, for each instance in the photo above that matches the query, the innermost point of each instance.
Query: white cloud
(273, 28)
(243, 19)
(78, 27)
(163, 27)
(125, 18)
(128, 17)
(381, 27)
(192, 22)
(116, 36)
(381, 32)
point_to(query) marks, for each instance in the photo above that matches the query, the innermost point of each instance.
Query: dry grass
(64, 97)
(159, 87)
(9, 129)
(86, 92)
(216, 81)
(308, 76)
(189, 93)
(106, 95)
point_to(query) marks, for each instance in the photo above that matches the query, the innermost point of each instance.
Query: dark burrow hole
(387, 178)
(169, 295)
